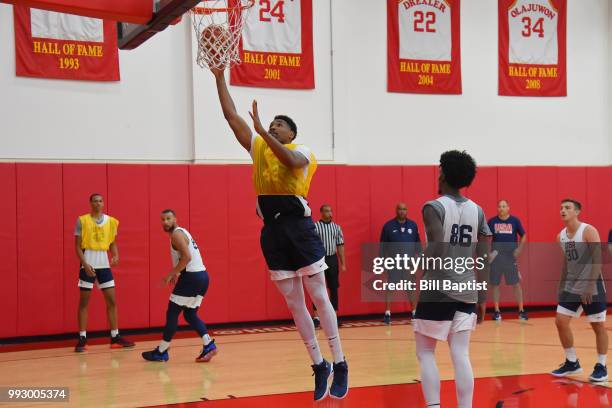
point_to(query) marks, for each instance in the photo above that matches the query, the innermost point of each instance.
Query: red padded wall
(420, 184)
(168, 188)
(597, 205)
(217, 204)
(248, 274)
(40, 248)
(79, 182)
(8, 243)
(209, 209)
(128, 201)
(353, 202)
(483, 190)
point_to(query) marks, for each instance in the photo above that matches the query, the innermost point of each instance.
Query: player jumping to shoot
(294, 253)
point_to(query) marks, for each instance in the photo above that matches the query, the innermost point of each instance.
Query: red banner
(276, 46)
(65, 46)
(423, 47)
(532, 47)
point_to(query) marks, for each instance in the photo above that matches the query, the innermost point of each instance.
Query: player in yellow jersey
(282, 171)
(95, 235)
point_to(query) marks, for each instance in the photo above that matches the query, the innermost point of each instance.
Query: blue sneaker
(339, 387)
(497, 316)
(155, 355)
(387, 318)
(567, 368)
(208, 352)
(600, 373)
(322, 372)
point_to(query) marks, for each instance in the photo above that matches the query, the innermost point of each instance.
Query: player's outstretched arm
(288, 157)
(239, 126)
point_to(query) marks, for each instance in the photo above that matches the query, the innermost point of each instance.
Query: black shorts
(332, 276)
(506, 266)
(292, 247)
(442, 311)
(104, 279)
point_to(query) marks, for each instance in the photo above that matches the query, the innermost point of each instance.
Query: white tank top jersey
(196, 264)
(578, 257)
(425, 30)
(533, 36)
(463, 220)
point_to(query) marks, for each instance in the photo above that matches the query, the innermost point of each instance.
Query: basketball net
(218, 28)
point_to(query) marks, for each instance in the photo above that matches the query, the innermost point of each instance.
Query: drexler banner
(64, 46)
(276, 47)
(532, 47)
(423, 47)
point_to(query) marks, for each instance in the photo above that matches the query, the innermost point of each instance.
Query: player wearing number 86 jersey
(455, 227)
(533, 32)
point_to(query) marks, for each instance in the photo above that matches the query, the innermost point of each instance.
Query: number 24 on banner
(276, 47)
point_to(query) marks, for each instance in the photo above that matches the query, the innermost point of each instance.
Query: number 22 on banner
(267, 11)
(428, 18)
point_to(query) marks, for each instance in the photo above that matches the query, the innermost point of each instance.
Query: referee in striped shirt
(333, 241)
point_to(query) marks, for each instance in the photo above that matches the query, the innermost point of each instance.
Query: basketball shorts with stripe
(104, 279)
(190, 289)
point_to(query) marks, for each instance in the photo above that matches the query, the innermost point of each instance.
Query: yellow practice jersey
(98, 237)
(271, 177)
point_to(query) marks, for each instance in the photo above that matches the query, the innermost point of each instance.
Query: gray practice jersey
(579, 260)
(462, 221)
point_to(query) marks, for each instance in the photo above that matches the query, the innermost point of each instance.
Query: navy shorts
(506, 266)
(104, 279)
(190, 289)
(292, 247)
(570, 304)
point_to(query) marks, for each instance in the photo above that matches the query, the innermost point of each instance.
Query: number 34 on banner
(276, 47)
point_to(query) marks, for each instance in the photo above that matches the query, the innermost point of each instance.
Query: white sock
(114, 333)
(388, 312)
(163, 346)
(206, 339)
(601, 359)
(314, 351)
(336, 348)
(570, 354)
(82, 334)
(459, 344)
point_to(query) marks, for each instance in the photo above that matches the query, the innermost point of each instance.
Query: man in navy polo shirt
(507, 230)
(403, 234)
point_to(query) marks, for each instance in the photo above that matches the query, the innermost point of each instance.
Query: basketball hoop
(218, 27)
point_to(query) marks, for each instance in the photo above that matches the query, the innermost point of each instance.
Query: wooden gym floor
(270, 368)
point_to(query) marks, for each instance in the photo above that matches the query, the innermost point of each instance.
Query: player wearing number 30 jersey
(581, 288)
(456, 228)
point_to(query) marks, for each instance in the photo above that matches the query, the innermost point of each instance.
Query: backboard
(133, 11)
(165, 13)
